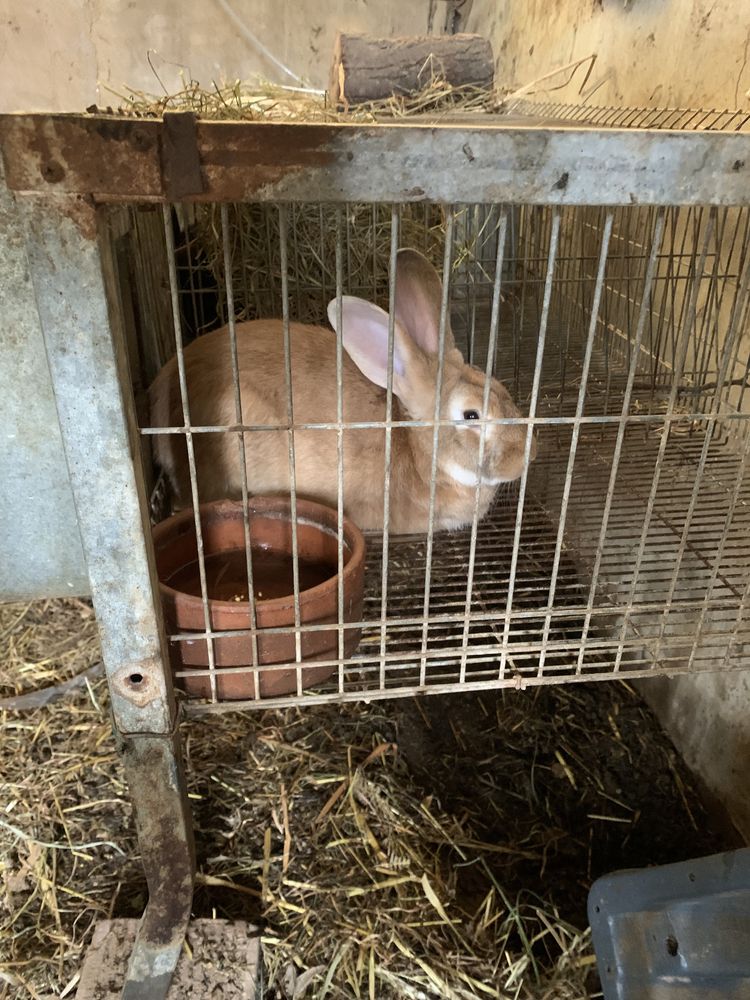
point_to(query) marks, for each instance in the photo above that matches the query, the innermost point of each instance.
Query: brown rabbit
(260, 349)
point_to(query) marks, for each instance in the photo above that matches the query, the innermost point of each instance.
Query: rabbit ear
(365, 339)
(419, 294)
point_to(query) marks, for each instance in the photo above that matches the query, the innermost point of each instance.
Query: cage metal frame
(620, 420)
(65, 170)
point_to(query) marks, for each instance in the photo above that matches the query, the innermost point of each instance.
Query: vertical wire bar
(250, 299)
(733, 503)
(388, 440)
(644, 306)
(741, 608)
(175, 295)
(663, 302)
(688, 320)
(266, 210)
(551, 260)
(240, 438)
(676, 321)
(705, 336)
(340, 436)
(735, 324)
(323, 254)
(284, 252)
(745, 384)
(469, 292)
(615, 303)
(593, 322)
(297, 286)
(704, 342)
(696, 214)
(568, 301)
(734, 257)
(735, 359)
(444, 320)
(522, 254)
(491, 347)
(195, 299)
(374, 227)
(608, 307)
(349, 271)
(710, 346)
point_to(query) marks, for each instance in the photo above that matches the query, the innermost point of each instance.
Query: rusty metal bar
(154, 772)
(119, 159)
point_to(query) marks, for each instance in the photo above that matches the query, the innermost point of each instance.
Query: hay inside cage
(254, 237)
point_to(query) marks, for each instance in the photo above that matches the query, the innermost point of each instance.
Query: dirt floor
(589, 761)
(441, 847)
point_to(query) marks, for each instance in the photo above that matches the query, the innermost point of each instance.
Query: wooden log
(368, 68)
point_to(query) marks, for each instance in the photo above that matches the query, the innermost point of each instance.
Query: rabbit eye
(471, 415)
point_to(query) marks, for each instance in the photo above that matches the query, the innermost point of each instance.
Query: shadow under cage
(621, 335)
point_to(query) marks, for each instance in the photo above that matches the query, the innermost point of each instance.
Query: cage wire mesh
(681, 119)
(621, 335)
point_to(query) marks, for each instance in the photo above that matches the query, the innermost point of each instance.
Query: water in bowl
(226, 575)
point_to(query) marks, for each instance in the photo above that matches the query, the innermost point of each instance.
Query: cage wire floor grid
(671, 598)
(692, 630)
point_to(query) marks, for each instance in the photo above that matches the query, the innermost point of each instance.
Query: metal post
(73, 274)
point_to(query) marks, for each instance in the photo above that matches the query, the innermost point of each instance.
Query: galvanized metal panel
(41, 553)
(120, 159)
(95, 409)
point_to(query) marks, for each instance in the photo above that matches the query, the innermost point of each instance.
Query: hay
(308, 821)
(254, 236)
(45, 642)
(263, 101)
(256, 253)
(357, 872)
(397, 850)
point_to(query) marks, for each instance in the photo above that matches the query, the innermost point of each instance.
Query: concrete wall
(650, 53)
(653, 53)
(64, 56)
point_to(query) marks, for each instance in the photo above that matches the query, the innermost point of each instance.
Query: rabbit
(260, 350)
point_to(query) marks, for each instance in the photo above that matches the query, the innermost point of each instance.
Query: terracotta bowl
(270, 533)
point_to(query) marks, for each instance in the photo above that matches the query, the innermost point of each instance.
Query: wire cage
(619, 332)
(599, 273)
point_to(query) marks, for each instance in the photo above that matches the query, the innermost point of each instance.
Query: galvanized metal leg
(153, 766)
(74, 279)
